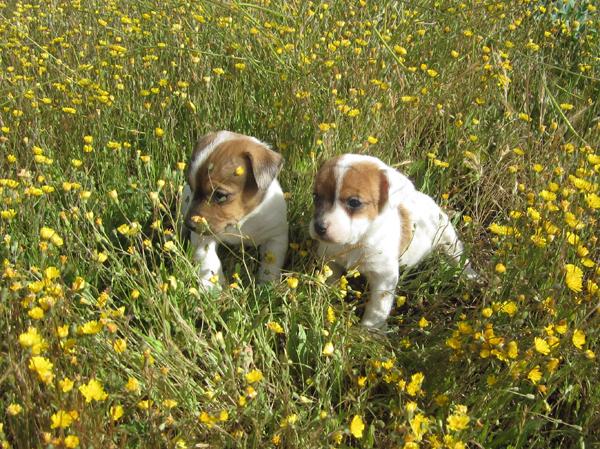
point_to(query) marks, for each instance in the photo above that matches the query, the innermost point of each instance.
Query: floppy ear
(201, 145)
(265, 164)
(391, 187)
(384, 189)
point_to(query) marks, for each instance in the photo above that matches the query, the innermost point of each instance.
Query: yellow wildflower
(541, 346)
(357, 426)
(578, 338)
(254, 376)
(574, 278)
(93, 391)
(43, 367)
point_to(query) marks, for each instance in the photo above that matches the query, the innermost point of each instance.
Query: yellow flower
(239, 171)
(66, 384)
(169, 403)
(578, 338)
(372, 140)
(37, 313)
(541, 346)
(120, 345)
(502, 230)
(91, 327)
(132, 385)
(414, 387)
(292, 282)
(275, 327)
(254, 376)
(593, 201)
(419, 425)
(500, 268)
(328, 349)
(43, 367)
(423, 323)
(330, 315)
(458, 420)
(574, 278)
(357, 426)
(47, 233)
(32, 339)
(71, 441)
(159, 132)
(145, 405)
(116, 412)
(93, 391)
(535, 375)
(63, 419)
(62, 331)
(14, 409)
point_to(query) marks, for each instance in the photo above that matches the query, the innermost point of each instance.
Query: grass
(490, 107)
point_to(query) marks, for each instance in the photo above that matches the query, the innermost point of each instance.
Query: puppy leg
(381, 299)
(205, 253)
(272, 256)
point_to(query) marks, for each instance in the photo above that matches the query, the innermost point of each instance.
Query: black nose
(320, 228)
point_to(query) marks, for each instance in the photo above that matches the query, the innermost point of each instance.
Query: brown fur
(218, 172)
(369, 184)
(405, 228)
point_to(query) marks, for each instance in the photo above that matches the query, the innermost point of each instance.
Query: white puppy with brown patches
(370, 217)
(233, 196)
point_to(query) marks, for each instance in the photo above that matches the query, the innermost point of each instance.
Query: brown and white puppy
(370, 217)
(233, 196)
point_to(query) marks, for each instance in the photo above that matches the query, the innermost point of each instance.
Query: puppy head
(350, 191)
(229, 175)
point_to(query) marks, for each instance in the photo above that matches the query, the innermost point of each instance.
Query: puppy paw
(268, 275)
(374, 324)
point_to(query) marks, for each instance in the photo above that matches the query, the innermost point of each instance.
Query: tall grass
(490, 107)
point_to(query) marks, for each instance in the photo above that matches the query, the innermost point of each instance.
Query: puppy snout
(321, 228)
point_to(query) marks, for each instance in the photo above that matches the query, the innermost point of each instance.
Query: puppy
(370, 217)
(232, 196)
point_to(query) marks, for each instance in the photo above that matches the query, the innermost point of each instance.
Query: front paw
(374, 324)
(268, 275)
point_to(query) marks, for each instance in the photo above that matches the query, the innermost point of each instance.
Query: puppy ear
(384, 189)
(200, 147)
(265, 164)
(391, 184)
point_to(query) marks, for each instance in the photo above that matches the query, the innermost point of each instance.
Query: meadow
(489, 106)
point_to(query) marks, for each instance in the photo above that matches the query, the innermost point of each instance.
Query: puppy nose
(320, 228)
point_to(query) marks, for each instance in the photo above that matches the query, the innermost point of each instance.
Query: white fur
(265, 226)
(373, 246)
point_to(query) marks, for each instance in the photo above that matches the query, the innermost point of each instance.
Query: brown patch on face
(406, 230)
(225, 186)
(366, 182)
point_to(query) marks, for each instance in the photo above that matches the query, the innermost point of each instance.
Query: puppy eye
(353, 203)
(315, 197)
(219, 196)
